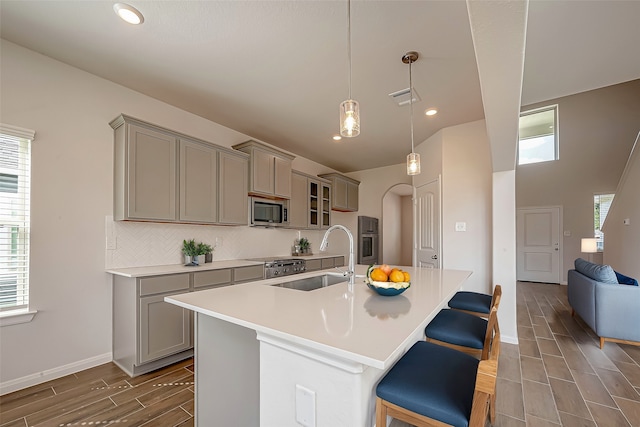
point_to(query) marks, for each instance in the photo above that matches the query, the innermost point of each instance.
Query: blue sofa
(612, 310)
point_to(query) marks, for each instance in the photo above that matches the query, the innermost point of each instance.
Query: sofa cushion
(625, 280)
(597, 272)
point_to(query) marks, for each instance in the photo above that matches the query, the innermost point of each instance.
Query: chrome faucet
(351, 273)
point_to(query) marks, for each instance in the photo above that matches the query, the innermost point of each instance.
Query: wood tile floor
(105, 396)
(556, 376)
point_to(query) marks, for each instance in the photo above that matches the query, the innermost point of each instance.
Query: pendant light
(413, 159)
(349, 109)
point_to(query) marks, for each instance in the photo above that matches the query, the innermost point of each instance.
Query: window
(538, 135)
(601, 206)
(15, 172)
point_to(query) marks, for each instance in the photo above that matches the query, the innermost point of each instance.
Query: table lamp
(589, 245)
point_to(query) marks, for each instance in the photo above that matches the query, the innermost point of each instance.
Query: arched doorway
(396, 236)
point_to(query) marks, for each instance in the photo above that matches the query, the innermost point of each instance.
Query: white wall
(391, 230)
(406, 232)
(466, 190)
(622, 242)
(461, 154)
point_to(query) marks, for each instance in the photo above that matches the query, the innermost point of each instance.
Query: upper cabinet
(345, 192)
(161, 175)
(309, 206)
(232, 192)
(198, 182)
(269, 170)
(145, 172)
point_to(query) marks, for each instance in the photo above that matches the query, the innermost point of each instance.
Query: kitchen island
(272, 356)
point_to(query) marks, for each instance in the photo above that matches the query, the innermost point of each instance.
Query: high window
(601, 206)
(538, 135)
(15, 173)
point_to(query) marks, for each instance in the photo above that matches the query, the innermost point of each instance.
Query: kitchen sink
(312, 283)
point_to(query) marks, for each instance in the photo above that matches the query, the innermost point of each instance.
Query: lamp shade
(589, 245)
(349, 118)
(413, 164)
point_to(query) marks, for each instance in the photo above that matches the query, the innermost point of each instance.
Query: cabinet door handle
(434, 257)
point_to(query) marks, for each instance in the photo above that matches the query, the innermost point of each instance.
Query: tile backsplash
(139, 244)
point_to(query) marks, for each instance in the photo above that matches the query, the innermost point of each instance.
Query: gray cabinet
(269, 170)
(298, 211)
(309, 206)
(165, 328)
(145, 173)
(149, 333)
(232, 189)
(324, 263)
(162, 175)
(198, 182)
(345, 192)
(248, 274)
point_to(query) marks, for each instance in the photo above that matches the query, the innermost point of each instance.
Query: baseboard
(508, 339)
(51, 374)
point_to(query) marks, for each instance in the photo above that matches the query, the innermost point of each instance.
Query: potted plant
(190, 251)
(205, 251)
(305, 245)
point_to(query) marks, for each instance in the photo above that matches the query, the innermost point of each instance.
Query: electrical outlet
(218, 243)
(305, 406)
(461, 226)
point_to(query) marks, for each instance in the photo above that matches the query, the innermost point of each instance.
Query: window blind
(15, 185)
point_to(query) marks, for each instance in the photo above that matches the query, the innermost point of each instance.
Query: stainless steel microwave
(268, 213)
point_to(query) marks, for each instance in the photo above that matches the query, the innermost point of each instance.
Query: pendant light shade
(413, 164)
(413, 159)
(349, 109)
(349, 118)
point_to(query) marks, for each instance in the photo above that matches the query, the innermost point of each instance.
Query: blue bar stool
(431, 385)
(463, 331)
(474, 302)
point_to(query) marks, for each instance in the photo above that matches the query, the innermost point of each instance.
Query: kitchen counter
(158, 270)
(335, 343)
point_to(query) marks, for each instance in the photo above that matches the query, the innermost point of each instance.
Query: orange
(386, 269)
(407, 276)
(397, 276)
(377, 275)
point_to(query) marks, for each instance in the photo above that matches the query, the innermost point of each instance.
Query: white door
(538, 244)
(427, 226)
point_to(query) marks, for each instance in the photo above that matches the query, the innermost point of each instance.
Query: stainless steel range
(276, 267)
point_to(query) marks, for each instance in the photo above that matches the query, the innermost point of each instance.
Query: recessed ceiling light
(128, 13)
(337, 137)
(431, 112)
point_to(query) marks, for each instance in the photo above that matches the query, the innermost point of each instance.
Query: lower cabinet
(149, 333)
(324, 263)
(165, 328)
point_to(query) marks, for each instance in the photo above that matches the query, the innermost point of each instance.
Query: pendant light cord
(349, 42)
(411, 101)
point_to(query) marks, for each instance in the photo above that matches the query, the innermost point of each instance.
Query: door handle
(434, 257)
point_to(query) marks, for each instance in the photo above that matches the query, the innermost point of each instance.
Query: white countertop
(158, 270)
(362, 326)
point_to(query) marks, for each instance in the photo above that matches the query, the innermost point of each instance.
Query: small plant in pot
(190, 251)
(305, 245)
(205, 251)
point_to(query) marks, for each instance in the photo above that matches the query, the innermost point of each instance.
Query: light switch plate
(626, 221)
(305, 406)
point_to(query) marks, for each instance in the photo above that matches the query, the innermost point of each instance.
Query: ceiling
(277, 70)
